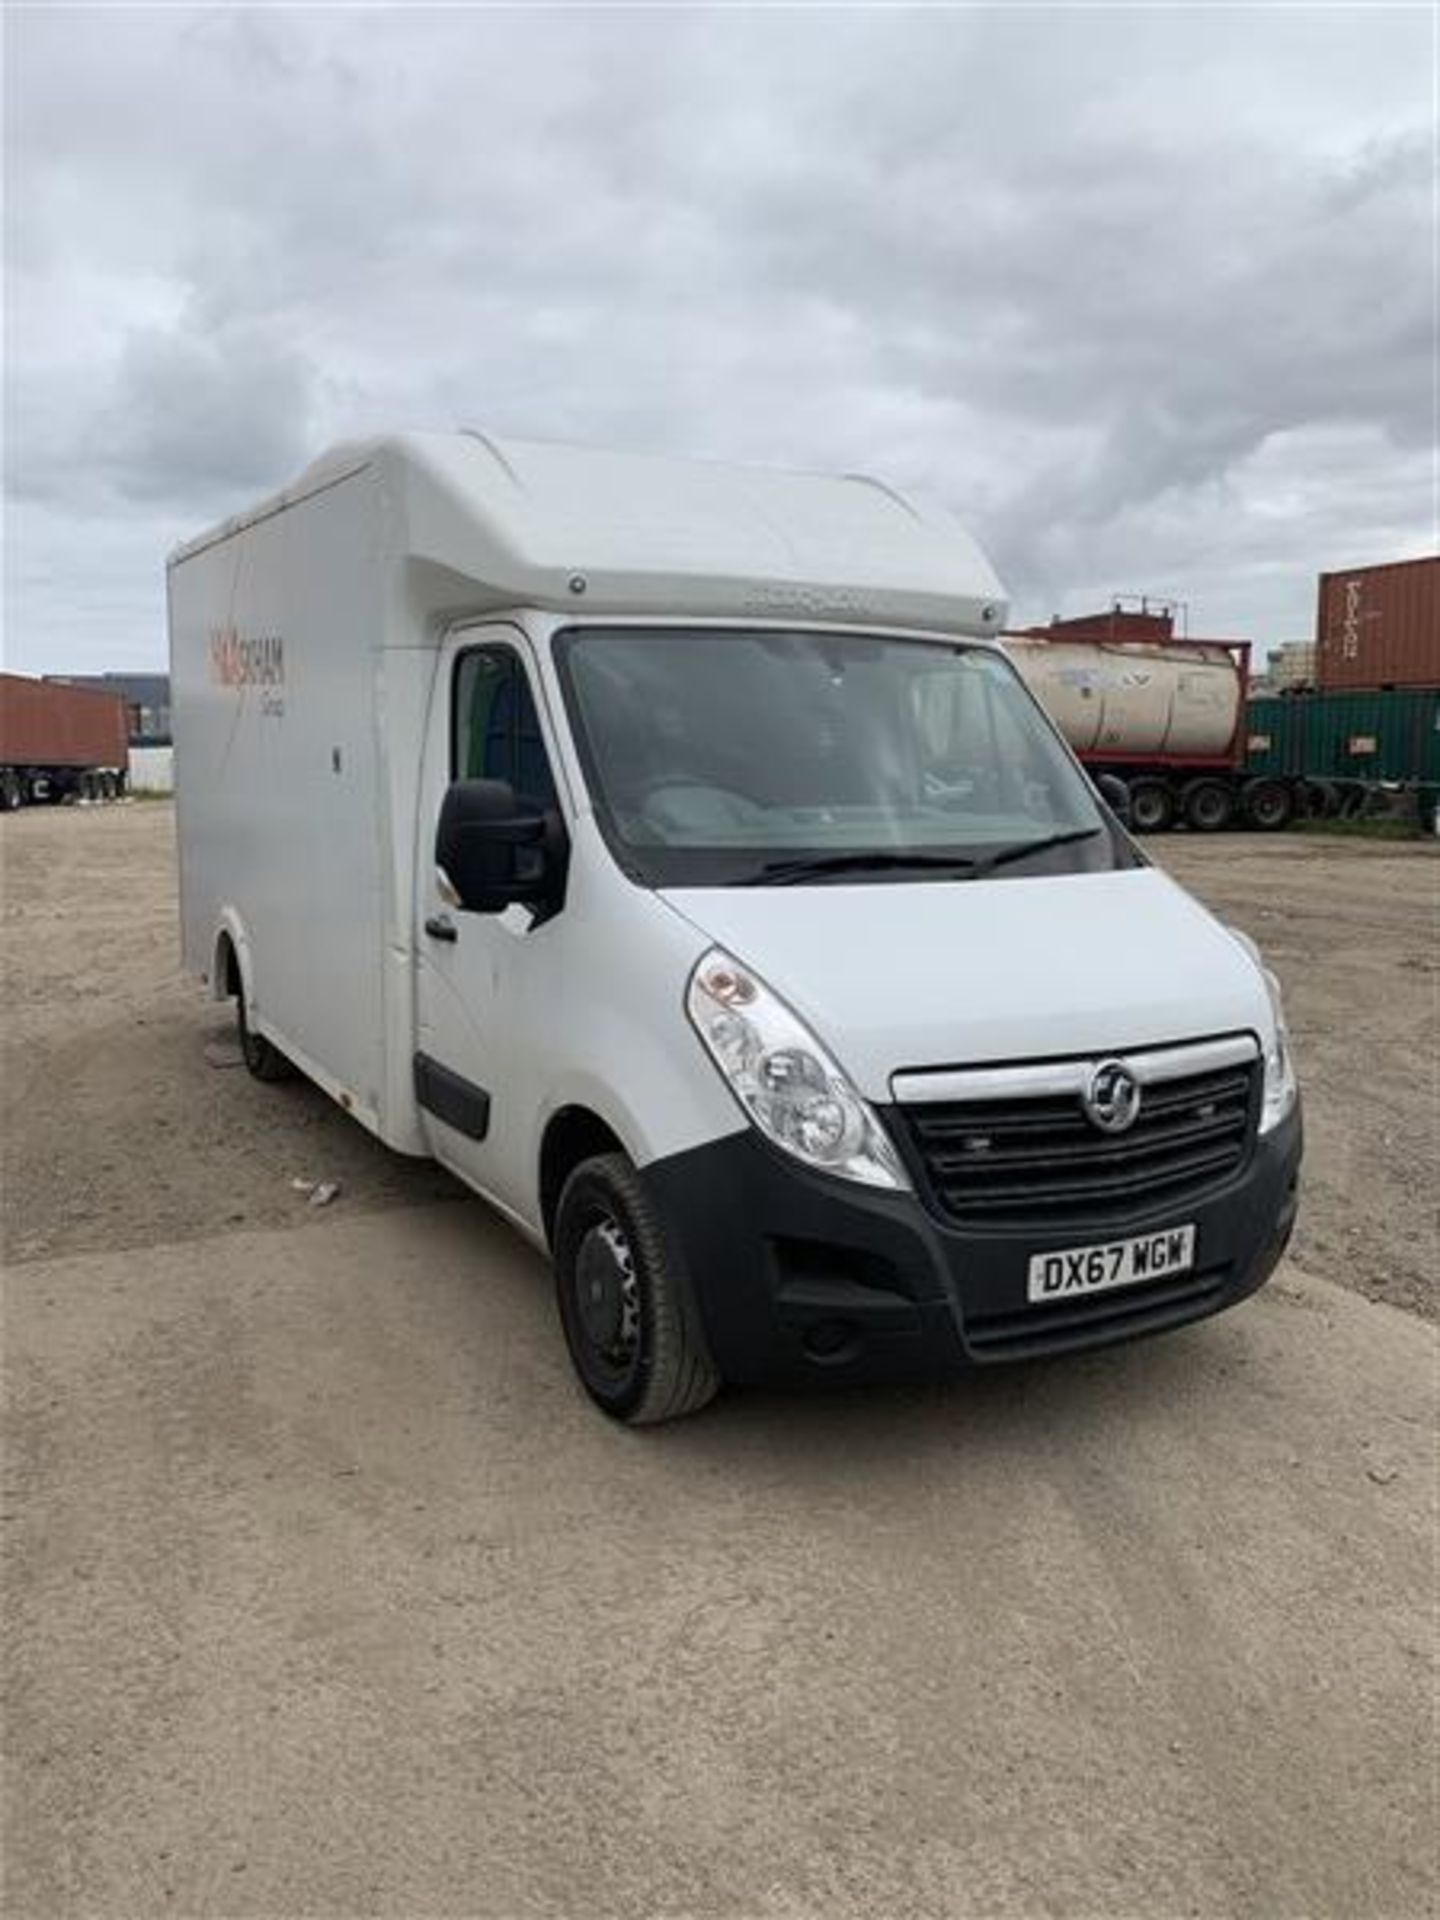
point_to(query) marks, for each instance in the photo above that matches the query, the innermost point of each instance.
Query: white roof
(570, 529)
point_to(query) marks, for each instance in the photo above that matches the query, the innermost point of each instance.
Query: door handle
(441, 927)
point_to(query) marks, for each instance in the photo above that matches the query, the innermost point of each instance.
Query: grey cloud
(201, 416)
(1112, 283)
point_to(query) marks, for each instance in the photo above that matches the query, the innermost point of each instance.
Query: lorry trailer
(59, 743)
(1173, 719)
(672, 852)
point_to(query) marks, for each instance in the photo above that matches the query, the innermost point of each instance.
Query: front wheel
(625, 1302)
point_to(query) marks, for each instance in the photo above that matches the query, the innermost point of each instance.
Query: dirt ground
(326, 1593)
(116, 1133)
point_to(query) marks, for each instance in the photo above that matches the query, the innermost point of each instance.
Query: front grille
(1038, 1159)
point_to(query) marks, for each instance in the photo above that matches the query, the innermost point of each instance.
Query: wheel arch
(231, 972)
(572, 1133)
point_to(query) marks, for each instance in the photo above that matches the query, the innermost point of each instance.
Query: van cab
(673, 853)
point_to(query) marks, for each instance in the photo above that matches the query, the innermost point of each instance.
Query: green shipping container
(1347, 736)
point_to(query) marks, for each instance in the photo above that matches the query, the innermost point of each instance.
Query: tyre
(1152, 806)
(11, 793)
(1321, 799)
(1208, 805)
(262, 1059)
(1269, 805)
(625, 1302)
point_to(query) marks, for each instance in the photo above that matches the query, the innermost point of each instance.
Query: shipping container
(1389, 736)
(1115, 625)
(1379, 626)
(146, 697)
(56, 741)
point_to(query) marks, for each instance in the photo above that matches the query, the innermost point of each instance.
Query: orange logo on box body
(241, 660)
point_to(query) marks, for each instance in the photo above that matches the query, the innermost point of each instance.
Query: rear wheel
(1269, 805)
(1208, 805)
(625, 1302)
(1152, 806)
(264, 1060)
(1321, 799)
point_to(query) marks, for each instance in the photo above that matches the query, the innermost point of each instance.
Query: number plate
(1071, 1271)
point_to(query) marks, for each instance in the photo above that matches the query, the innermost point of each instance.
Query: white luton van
(672, 852)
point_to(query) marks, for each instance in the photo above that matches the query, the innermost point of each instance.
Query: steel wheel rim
(606, 1295)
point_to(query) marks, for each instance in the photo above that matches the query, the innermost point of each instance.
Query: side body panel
(282, 822)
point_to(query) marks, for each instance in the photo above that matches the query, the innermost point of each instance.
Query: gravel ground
(1352, 928)
(118, 1134)
(326, 1593)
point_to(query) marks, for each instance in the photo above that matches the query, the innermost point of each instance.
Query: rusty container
(1379, 626)
(43, 724)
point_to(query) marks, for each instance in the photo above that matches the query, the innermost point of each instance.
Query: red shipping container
(1379, 626)
(1118, 626)
(43, 724)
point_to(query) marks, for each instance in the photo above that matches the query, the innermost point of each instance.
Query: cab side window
(496, 727)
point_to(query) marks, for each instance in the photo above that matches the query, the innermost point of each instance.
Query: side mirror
(493, 848)
(1116, 795)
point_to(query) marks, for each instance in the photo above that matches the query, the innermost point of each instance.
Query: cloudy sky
(1147, 295)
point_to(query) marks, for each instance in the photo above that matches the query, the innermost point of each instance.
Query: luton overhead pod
(671, 851)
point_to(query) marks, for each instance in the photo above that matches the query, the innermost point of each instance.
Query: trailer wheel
(1208, 805)
(1269, 805)
(1152, 806)
(264, 1060)
(624, 1299)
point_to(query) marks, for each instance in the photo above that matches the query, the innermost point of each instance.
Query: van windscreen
(734, 757)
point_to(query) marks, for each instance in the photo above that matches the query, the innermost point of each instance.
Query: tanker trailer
(1165, 716)
(59, 742)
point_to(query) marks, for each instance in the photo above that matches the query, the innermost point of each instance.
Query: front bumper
(799, 1274)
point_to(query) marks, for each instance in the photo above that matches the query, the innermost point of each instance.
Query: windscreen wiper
(819, 866)
(1004, 855)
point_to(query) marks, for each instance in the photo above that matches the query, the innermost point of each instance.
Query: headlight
(1279, 1066)
(783, 1078)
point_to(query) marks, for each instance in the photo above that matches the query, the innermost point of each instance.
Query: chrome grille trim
(1150, 1066)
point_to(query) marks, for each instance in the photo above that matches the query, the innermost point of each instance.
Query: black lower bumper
(798, 1273)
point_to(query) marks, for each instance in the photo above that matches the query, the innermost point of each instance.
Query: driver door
(471, 1006)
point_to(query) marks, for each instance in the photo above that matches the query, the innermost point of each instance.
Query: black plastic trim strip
(452, 1098)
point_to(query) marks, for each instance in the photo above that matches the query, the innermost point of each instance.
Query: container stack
(1378, 628)
(1374, 712)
